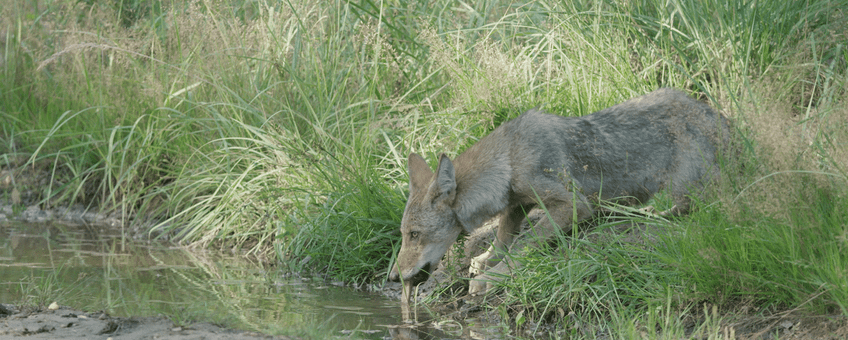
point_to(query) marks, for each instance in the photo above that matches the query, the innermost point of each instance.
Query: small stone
(786, 324)
(53, 306)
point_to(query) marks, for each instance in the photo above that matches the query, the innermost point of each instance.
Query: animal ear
(443, 188)
(419, 173)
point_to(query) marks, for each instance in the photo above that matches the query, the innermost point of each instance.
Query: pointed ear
(420, 174)
(443, 189)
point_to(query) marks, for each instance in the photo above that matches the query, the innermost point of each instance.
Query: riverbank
(95, 269)
(66, 323)
(459, 315)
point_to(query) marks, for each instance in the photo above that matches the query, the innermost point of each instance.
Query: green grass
(282, 129)
(767, 261)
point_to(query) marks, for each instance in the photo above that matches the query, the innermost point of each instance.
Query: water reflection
(92, 269)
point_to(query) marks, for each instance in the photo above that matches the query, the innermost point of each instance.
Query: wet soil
(67, 323)
(788, 325)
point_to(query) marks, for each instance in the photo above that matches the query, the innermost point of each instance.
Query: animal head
(429, 224)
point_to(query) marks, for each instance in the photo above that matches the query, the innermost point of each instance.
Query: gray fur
(627, 153)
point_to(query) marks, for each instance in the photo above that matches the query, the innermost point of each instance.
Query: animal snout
(415, 276)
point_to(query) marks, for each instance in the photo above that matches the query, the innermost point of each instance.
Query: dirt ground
(787, 326)
(68, 323)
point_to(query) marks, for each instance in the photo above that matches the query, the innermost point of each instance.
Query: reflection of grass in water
(182, 285)
(193, 291)
(41, 286)
(40, 290)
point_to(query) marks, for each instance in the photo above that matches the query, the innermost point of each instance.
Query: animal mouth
(422, 275)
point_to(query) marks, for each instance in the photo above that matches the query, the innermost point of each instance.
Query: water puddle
(90, 268)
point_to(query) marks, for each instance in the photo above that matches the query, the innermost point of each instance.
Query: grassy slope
(283, 129)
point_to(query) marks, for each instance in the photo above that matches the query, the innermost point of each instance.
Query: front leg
(480, 263)
(561, 213)
(508, 226)
(483, 283)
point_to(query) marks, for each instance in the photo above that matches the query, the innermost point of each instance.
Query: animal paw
(479, 263)
(480, 285)
(483, 283)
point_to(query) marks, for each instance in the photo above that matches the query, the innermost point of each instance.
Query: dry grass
(789, 150)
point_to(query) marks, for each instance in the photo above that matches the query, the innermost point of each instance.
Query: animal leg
(561, 212)
(508, 227)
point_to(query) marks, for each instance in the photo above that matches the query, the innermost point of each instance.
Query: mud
(20, 201)
(787, 325)
(67, 323)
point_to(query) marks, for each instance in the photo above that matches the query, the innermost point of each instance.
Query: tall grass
(282, 128)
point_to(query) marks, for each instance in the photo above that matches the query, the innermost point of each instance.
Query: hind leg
(691, 181)
(685, 187)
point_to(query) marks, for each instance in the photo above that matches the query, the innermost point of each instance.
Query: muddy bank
(19, 200)
(71, 215)
(67, 323)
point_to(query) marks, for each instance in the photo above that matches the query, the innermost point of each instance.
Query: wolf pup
(626, 153)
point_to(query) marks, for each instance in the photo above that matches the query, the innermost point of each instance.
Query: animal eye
(413, 234)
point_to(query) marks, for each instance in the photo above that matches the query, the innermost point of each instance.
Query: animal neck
(483, 176)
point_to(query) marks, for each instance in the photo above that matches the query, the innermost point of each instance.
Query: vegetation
(282, 128)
